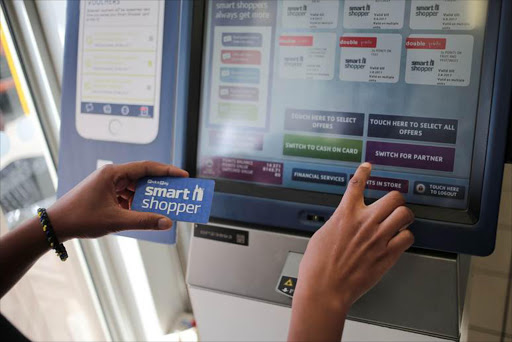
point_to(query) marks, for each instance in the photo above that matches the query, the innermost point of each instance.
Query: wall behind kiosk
(79, 156)
(469, 231)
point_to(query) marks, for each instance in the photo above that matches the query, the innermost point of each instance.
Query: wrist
(330, 300)
(57, 220)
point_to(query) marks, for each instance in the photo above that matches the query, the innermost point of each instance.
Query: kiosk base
(233, 272)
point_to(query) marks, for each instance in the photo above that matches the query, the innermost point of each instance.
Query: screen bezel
(469, 216)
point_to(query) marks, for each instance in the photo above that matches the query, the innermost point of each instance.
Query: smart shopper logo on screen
(423, 66)
(297, 11)
(427, 11)
(181, 199)
(359, 11)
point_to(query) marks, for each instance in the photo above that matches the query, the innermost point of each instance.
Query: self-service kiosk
(286, 98)
(279, 102)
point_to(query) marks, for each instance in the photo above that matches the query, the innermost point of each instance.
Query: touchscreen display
(296, 94)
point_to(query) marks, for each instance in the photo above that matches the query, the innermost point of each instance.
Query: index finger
(136, 170)
(355, 190)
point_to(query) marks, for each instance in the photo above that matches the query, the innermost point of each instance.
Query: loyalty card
(180, 199)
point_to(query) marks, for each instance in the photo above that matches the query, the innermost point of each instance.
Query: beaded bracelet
(54, 243)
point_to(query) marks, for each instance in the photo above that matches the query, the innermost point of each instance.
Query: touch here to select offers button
(319, 177)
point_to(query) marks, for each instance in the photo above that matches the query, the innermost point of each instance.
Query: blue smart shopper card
(180, 199)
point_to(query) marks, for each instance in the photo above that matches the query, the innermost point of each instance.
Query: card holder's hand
(100, 204)
(347, 257)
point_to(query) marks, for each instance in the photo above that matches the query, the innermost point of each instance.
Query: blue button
(321, 177)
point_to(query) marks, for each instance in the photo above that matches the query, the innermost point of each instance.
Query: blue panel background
(78, 156)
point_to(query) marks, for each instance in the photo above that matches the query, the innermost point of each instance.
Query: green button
(237, 111)
(322, 148)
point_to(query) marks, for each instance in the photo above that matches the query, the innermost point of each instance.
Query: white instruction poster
(312, 14)
(370, 58)
(445, 14)
(373, 14)
(443, 60)
(307, 56)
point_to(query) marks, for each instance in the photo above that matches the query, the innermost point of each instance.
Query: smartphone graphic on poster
(119, 66)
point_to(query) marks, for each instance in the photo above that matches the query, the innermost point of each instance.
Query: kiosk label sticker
(440, 190)
(242, 169)
(412, 156)
(445, 14)
(320, 177)
(370, 58)
(439, 60)
(412, 128)
(180, 199)
(308, 56)
(322, 147)
(373, 14)
(312, 14)
(320, 121)
(287, 285)
(235, 236)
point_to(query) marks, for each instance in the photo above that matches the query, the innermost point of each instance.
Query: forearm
(19, 250)
(316, 319)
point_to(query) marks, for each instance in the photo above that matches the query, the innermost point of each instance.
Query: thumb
(138, 220)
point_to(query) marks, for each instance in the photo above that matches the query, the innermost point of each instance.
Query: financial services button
(115, 126)
(320, 177)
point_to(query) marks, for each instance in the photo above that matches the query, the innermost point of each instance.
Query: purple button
(412, 156)
(387, 184)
